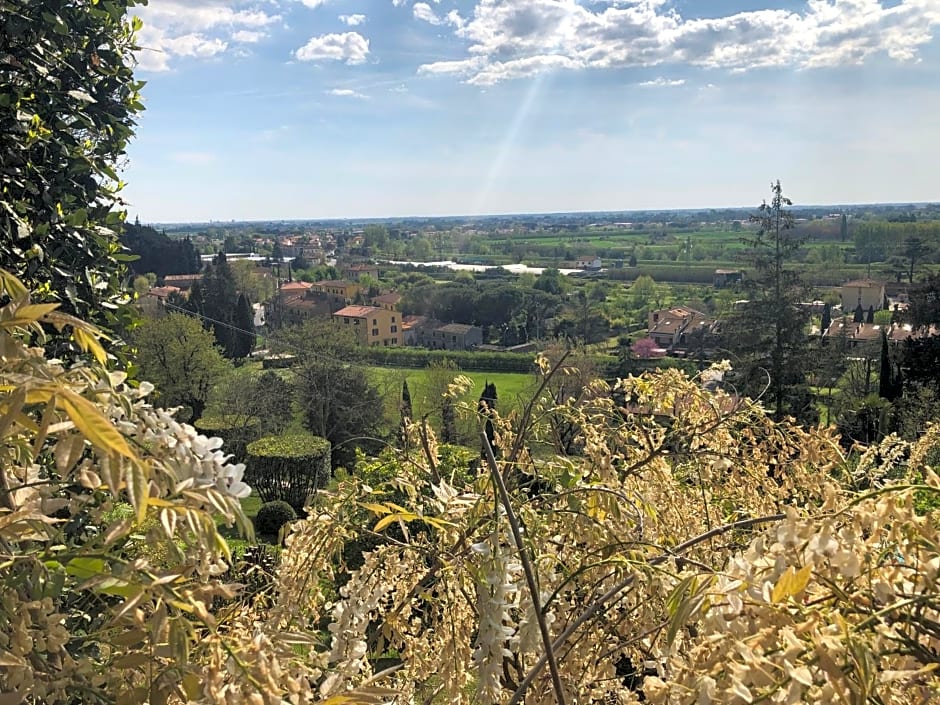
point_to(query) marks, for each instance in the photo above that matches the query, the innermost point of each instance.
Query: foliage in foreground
(737, 556)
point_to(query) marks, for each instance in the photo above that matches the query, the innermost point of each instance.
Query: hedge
(236, 432)
(289, 468)
(464, 359)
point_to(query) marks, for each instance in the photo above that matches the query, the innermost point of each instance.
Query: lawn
(513, 388)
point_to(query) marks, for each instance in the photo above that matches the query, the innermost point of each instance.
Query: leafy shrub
(272, 516)
(288, 468)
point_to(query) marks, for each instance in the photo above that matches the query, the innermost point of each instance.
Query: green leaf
(86, 568)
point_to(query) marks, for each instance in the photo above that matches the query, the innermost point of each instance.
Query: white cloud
(178, 28)
(423, 11)
(517, 38)
(350, 47)
(346, 93)
(352, 20)
(398, 3)
(247, 36)
(664, 82)
(313, 3)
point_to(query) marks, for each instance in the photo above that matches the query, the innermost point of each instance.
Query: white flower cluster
(494, 599)
(196, 460)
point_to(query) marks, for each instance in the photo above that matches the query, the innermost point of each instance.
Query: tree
(486, 408)
(889, 383)
(843, 228)
(645, 348)
(67, 112)
(914, 250)
(335, 396)
(826, 320)
(180, 357)
(769, 334)
(405, 412)
(243, 322)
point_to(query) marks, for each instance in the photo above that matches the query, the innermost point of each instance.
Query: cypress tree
(859, 314)
(405, 411)
(870, 318)
(243, 339)
(826, 322)
(485, 407)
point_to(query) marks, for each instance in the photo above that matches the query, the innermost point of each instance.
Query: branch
(601, 601)
(527, 568)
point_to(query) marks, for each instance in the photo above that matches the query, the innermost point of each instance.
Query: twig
(527, 568)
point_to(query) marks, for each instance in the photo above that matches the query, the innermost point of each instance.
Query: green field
(513, 388)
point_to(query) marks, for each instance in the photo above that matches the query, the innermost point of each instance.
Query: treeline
(157, 253)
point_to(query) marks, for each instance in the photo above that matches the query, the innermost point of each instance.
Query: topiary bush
(272, 516)
(289, 468)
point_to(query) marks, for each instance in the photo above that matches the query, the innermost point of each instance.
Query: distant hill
(159, 254)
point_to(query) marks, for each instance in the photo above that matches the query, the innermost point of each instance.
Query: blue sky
(283, 109)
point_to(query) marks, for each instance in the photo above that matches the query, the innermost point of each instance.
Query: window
(394, 341)
(375, 331)
(394, 328)
(393, 319)
(375, 321)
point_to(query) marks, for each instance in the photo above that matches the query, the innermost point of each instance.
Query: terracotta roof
(357, 311)
(296, 286)
(161, 292)
(335, 282)
(459, 328)
(389, 298)
(864, 283)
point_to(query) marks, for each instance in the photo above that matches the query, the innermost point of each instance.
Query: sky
(304, 109)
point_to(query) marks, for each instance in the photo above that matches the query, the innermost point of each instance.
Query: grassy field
(513, 388)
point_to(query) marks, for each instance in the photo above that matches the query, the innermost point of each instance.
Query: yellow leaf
(391, 518)
(138, 489)
(376, 508)
(33, 312)
(791, 583)
(89, 420)
(89, 343)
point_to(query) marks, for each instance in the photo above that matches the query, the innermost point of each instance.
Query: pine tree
(769, 335)
(826, 322)
(888, 384)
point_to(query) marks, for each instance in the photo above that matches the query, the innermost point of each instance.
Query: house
(456, 336)
(354, 271)
(337, 287)
(373, 325)
(856, 334)
(724, 278)
(867, 292)
(591, 263)
(388, 301)
(417, 330)
(181, 281)
(677, 327)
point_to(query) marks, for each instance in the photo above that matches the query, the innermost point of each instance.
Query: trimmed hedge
(289, 468)
(236, 433)
(464, 359)
(272, 516)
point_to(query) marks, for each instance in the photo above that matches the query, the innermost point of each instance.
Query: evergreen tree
(859, 314)
(769, 334)
(485, 407)
(870, 316)
(405, 411)
(826, 319)
(844, 228)
(219, 301)
(889, 386)
(243, 338)
(448, 421)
